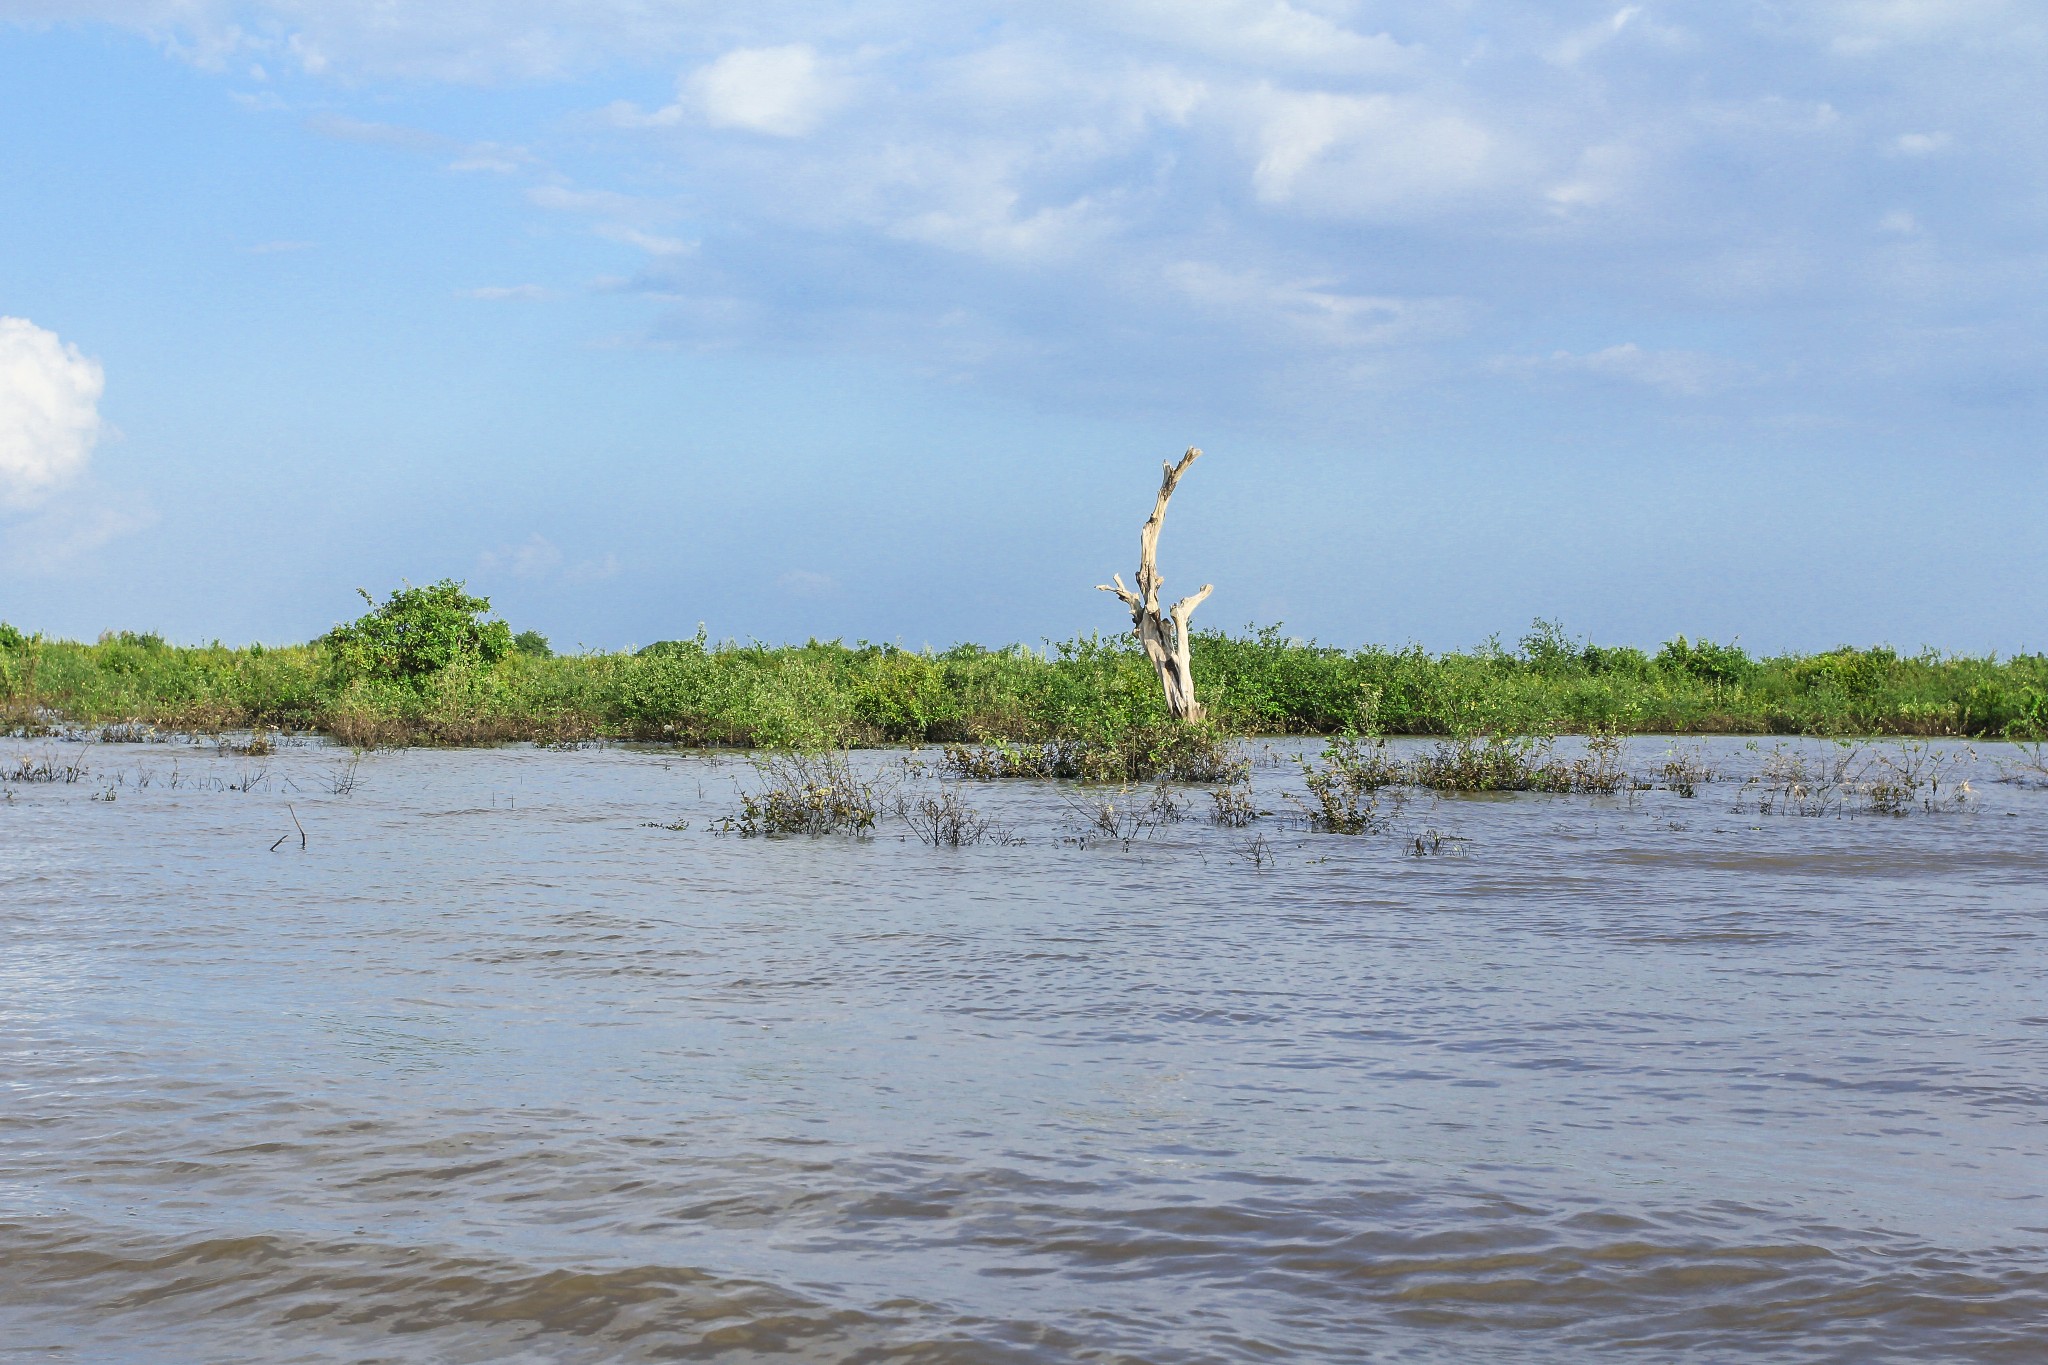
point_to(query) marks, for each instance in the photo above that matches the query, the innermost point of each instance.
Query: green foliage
(532, 644)
(417, 632)
(901, 695)
(1849, 671)
(1722, 665)
(429, 666)
(1622, 661)
(10, 638)
(1548, 651)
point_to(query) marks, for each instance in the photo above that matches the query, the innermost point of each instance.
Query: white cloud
(781, 91)
(620, 217)
(1315, 311)
(1593, 37)
(496, 158)
(534, 557)
(1262, 33)
(1602, 177)
(1681, 373)
(1859, 27)
(70, 526)
(653, 243)
(538, 559)
(1921, 144)
(49, 412)
(805, 583)
(1367, 156)
(594, 570)
(563, 199)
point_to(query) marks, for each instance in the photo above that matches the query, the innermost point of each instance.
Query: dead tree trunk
(1165, 638)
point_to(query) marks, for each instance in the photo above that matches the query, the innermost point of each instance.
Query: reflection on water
(496, 1069)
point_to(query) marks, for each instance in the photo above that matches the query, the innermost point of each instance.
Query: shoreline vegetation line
(429, 667)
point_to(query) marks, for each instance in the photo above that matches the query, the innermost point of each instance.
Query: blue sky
(875, 320)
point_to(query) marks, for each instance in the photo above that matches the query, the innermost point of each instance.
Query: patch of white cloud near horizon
(1314, 311)
(71, 525)
(537, 559)
(806, 583)
(594, 570)
(1680, 373)
(49, 412)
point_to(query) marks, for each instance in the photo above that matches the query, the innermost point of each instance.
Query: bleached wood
(1165, 638)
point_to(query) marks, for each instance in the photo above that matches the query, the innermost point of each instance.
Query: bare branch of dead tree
(1165, 637)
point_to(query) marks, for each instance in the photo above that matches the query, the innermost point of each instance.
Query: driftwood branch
(1164, 637)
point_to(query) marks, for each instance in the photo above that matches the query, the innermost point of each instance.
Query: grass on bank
(429, 667)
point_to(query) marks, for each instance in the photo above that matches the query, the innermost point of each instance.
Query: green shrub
(416, 633)
(1850, 671)
(1723, 665)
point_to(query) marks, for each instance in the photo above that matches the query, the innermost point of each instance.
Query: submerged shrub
(947, 821)
(417, 632)
(1483, 763)
(1685, 771)
(1915, 774)
(42, 770)
(1856, 778)
(1346, 791)
(1177, 751)
(2028, 767)
(1232, 806)
(1598, 772)
(1126, 814)
(814, 794)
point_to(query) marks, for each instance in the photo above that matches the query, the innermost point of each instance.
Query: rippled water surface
(495, 1068)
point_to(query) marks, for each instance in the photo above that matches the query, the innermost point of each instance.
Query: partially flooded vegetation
(1366, 785)
(429, 666)
(1551, 716)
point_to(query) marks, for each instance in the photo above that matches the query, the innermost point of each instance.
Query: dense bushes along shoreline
(428, 667)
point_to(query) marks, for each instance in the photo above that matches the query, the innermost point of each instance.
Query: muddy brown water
(495, 1070)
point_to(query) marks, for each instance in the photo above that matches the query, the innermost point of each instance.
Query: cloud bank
(1226, 205)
